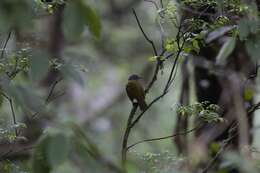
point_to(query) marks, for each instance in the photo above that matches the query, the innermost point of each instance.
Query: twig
(92, 149)
(161, 2)
(221, 150)
(4, 95)
(253, 108)
(131, 121)
(154, 78)
(12, 74)
(52, 89)
(144, 34)
(226, 142)
(13, 115)
(160, 25)
(48, 98)
(165, 137)
(5, 44)
(12, 110)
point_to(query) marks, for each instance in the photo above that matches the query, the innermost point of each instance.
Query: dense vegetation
(64, 65)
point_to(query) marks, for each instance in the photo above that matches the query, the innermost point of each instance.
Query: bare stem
(144, 34)
(165, 137)
(126, 136)
(5, 44)
(13, 114)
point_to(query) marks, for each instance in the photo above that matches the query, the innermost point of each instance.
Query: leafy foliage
(22, 70)
(204, 111)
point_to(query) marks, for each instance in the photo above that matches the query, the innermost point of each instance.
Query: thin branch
(200, 13)
(161, 3)
(165, 137)
(144, 34)
(5, 44)
(12, 109)
(52, 89)
(131, 122)
(154, 78)
(48, 98)
(13, 115)
(221, 150)
(93, 150)
(56, 96)
(126, 136)
(142, 113)
(15, 70)
(253, 108)
(4, 95)
(228, 140)
(171, 73)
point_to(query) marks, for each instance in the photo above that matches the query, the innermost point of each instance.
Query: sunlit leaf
(39, 65)
(91, 19)
(248, 94)
(152, 58)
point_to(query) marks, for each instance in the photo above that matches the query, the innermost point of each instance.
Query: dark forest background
(64, 65)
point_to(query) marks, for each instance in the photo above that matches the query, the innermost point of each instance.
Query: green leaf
(253, 47)
(91, 19)
(225, 51)
(195, 45)
(247, 26)
(76, 15)
(152, 58)
(39, 65)
(243, 29)
(58, 149)
(73, 24)
(39, 158)
(15, 14)
(248, 94)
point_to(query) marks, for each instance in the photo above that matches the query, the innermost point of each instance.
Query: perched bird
(135, 91)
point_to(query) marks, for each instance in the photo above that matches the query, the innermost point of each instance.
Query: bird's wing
(135, 90)
(130, 90)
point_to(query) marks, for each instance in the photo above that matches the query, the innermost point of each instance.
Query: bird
(135, 91)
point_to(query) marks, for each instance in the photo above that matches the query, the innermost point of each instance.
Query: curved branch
(165, 137)
(126, 135)
(144, 34)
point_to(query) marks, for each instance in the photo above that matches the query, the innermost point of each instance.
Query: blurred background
(65, 65)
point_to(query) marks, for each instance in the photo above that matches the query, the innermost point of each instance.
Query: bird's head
(134, 77)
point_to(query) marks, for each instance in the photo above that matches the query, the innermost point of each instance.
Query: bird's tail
(142, 104)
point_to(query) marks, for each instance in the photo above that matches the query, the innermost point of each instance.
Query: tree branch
(144, 34)
(5, 44)
(126, 136)
(131, 121)
(165, 137)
